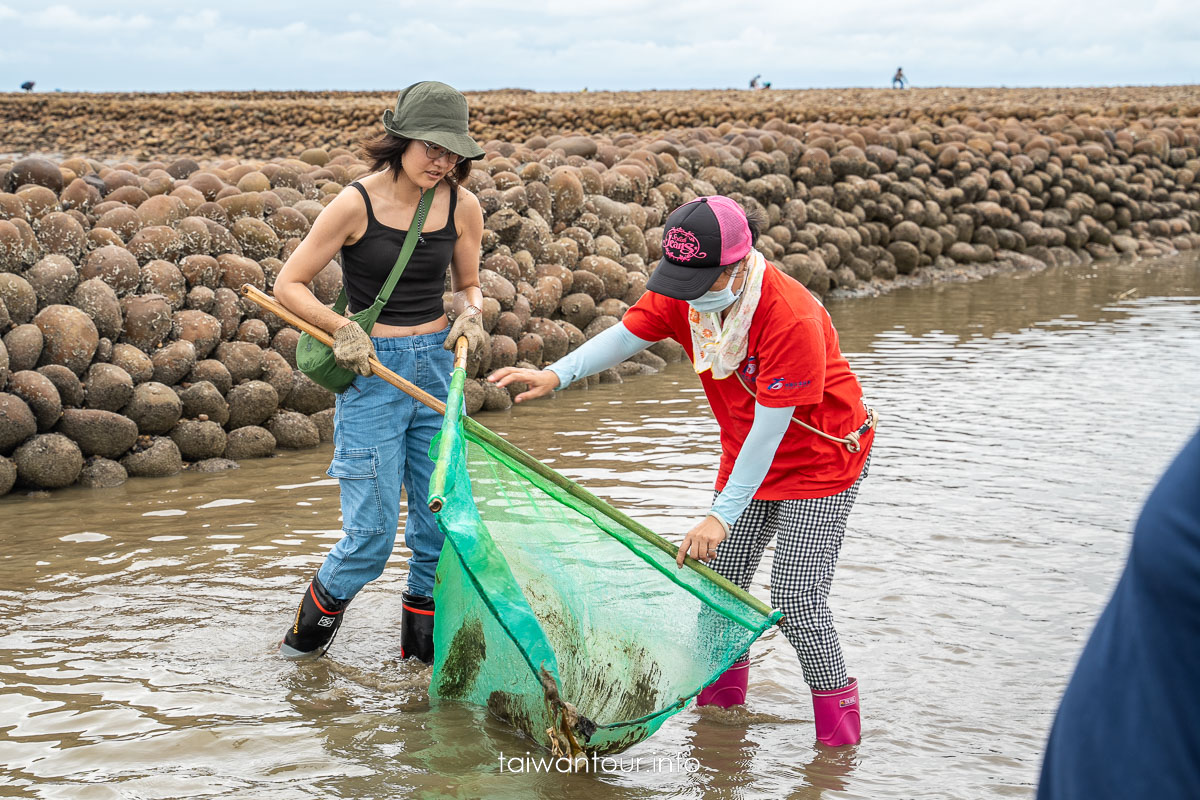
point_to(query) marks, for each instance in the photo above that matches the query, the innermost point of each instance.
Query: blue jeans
(381, 442)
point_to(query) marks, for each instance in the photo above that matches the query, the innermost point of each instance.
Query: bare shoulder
(468, 214)
(348, 201)
(346, 214)
(467, 199)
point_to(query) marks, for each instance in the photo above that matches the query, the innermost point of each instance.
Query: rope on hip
(850, 440)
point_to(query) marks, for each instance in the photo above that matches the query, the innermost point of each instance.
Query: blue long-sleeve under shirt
(615, 345)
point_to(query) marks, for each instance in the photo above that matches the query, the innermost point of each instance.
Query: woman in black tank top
(382, 436)
(417, 298)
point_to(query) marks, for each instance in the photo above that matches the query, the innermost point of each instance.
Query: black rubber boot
(317, 620)
(416, 628)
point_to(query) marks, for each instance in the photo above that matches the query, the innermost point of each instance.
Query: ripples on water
(1024, 419)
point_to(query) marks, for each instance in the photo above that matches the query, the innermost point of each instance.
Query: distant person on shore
(898, 80)
(754, 81)
(381, 436)
(27, 86)
(1129, 723)
(795, 434)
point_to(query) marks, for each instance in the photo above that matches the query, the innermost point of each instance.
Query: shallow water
(1023, 420)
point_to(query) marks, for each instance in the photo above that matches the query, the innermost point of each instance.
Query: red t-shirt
(793, 360)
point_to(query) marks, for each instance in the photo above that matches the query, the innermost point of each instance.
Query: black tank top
(366, 264)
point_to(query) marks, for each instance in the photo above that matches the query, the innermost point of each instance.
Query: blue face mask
(712, 302)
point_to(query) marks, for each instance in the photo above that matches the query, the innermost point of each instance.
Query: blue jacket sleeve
(607, 349)
(753, 462)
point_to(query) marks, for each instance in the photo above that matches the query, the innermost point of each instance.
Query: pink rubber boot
(727, 690)
(836, 715)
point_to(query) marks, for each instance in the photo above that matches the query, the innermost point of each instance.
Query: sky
(120, 45)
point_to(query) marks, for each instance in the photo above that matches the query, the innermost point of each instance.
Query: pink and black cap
(700, 239)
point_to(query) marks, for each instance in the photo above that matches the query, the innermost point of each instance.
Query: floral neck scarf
(719, 346)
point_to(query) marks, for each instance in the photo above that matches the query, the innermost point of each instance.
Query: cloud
(618, 44)
(64, 17)
(205, 20)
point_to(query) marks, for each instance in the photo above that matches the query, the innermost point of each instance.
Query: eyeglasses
(435, 152)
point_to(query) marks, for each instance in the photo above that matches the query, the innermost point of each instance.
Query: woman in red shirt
(795, 434)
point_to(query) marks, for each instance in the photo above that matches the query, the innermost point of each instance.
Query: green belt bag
(314, 358)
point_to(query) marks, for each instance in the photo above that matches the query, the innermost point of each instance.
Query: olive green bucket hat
(433, 112)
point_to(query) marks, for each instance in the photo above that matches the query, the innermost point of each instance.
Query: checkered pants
(809, 535)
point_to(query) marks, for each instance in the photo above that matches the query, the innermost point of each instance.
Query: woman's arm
(607, 349)
(341, 220)
(753, 462)
(464, 264)
(751, 467)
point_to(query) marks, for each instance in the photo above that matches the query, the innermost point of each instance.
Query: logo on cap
(681, 245)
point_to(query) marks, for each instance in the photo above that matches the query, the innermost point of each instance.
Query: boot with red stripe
(317, 620)
(416, 628)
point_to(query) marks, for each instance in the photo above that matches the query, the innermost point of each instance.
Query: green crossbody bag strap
(410, 243)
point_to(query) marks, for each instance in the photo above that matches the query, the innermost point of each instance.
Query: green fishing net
(561, 615)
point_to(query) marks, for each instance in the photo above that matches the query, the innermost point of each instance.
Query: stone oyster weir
(127, 346)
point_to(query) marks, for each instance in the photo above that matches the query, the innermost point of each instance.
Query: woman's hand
(701, 541)
(352, 348)
(469, 324)
(541, 382)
